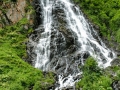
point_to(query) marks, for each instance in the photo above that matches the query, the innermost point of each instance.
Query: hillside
(16, 17)
(104, 15)
(18, 21)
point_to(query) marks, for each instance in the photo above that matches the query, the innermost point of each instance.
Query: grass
(95, 78)
(104, 14)
(15, 73)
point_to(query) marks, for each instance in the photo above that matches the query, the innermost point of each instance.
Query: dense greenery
(95, 78)
(15, 73)
(105, 14)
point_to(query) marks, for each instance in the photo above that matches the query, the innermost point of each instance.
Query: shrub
(93, 79)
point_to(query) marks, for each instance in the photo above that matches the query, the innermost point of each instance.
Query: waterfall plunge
(59, 60)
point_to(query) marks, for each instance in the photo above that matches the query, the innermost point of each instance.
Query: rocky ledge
(11, 12)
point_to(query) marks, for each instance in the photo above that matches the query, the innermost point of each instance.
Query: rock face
(16, 11)
(12, 12)
(64, 45)
(116, 62)
(64, 55)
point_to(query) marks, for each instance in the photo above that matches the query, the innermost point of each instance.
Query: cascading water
(43, 46)
(65, 41)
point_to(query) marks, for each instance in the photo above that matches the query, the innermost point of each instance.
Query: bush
(93, 79)
(104, 14)
(15, 73)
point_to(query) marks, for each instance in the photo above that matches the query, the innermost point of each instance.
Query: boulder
(115, 62)
(16, 11)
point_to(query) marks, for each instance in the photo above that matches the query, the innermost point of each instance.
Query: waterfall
(43, 47)
(64, 41)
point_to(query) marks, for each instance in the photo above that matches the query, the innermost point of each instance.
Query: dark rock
(68, 88)
(118, 53)
(70, 40)
(86, 55)
(116, 61)
(40, 29)
(116, 85)
(110, 55)
(72, 49)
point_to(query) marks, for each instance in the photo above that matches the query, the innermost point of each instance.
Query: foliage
(118, 36)
(16, 74)
(15, 35)
(93, 77)
(105, 14)
(113, 72)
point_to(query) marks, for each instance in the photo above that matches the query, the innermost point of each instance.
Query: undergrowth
(95, 78)
(15, 73)
(105, 14)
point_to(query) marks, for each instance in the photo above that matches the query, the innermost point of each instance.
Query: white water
(43, 47)
(77, 23)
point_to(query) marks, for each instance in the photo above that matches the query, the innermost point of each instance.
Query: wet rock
(118, 53)
(116, 85)
(68, 88)
(116, 61)
(70, 40)
(72, 49)
(38, 13)
(86, 55)
(40, 29)
(110, 55)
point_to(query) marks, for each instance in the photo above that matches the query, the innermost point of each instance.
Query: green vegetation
(105, 14)
(16, 36)
(95, 78)
(15, 73)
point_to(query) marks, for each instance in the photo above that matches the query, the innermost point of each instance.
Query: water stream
(66, 41)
